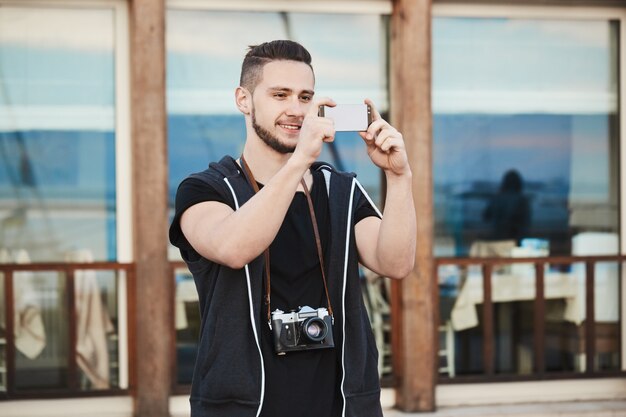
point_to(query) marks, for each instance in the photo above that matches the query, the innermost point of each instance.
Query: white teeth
(290, 127)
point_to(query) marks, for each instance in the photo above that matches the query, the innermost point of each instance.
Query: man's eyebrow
(289, 90)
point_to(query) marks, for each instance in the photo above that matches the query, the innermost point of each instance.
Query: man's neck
(263, 161)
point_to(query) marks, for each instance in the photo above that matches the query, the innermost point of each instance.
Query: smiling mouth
(294, 128)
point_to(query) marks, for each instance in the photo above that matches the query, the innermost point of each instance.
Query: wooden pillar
(153, 285)
(415, 298)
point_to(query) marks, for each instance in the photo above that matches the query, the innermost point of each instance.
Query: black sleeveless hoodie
(229, 379)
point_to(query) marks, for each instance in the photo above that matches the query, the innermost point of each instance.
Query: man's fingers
(322, 101)
(376, 129)
(375, 114)
(329, 138)
(382, 137)
(385, 140)
(390, 143)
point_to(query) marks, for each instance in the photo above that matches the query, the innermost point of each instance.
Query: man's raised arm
(387, 245)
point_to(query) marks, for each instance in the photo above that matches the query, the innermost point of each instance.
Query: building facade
(512, 117)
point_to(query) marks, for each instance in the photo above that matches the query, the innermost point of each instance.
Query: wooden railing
(487, 266)
(68, 271)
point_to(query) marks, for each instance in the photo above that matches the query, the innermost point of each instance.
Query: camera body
(304, 329)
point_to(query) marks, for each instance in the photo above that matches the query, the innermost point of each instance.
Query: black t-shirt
(298, 384)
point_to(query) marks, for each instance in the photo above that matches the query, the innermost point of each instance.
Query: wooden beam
(72, 357)
(154, 285)
(539, 327)
(9, 328)
(488, 323)
(590, 317)
(415, 298)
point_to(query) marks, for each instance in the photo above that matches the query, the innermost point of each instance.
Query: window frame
(293, 6)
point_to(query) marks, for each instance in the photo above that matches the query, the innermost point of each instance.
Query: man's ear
(243, 99)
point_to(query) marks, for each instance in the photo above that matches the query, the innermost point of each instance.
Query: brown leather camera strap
(318, 242)
(268, 289)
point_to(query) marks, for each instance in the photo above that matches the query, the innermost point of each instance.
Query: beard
(270, 139)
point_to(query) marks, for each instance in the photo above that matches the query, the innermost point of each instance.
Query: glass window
(41, 336)
(526, 139)
(205, 52)
(57, 132)
(525, 115)
(58, 194)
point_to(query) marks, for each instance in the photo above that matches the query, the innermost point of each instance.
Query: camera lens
(315, 329)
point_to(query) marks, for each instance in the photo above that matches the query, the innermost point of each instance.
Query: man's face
(279, 103)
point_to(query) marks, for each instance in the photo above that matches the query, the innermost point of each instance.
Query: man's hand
(385, 145)
(314, 132)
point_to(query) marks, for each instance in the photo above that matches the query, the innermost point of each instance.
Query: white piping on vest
(343, 306)
(252, 320)
(326, 171)
(369, 199)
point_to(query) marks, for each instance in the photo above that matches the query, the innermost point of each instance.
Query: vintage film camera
(304, 329)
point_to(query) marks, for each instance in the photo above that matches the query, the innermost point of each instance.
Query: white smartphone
(348, 117)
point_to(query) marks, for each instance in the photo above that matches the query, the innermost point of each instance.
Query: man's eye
(306, 98)
(280, 95)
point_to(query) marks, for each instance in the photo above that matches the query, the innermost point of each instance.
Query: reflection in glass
(606, 313)
(606, 302)
(508, 210)
(607, 325)
(525, 164)
(41, 330)
(57, 132)
(57, 177)
(96, 334)
(565, 320)
(535, 96)
(460, 317)
(449, 279)
(513, 290)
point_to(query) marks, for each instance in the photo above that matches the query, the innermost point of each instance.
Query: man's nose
(297, 107)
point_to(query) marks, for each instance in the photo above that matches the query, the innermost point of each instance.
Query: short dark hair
(259, 55)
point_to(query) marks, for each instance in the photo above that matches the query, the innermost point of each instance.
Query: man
(223, 228)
